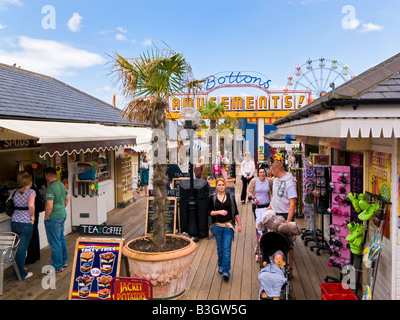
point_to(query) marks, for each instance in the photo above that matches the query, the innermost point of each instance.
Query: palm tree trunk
(159, 178)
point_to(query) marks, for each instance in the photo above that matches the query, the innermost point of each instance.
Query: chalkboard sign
(171, 215)
(96, 263)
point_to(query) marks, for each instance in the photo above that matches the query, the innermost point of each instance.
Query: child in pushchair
(274, 277)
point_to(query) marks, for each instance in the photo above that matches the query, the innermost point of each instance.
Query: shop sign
(379, 178)
(274, 101)
(131, 289)
(100, 230)
(17, 144)
(234, 78)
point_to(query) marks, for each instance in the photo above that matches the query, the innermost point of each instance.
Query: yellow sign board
(246, 106)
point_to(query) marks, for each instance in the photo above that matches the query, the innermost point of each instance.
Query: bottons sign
(236, 79)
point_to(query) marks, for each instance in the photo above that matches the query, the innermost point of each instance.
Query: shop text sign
(271, 102)
(236, 78)
(17, 144)
(131, 289)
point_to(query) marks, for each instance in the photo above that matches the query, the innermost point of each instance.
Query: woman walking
(23, 219)
(259, 190)
(247, 167)
(144, 175)
(223, 211)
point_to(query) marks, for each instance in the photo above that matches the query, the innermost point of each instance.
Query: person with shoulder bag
(224, 215)
(22, 220)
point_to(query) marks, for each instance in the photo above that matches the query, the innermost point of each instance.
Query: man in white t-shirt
(284, 192)
(284, 196)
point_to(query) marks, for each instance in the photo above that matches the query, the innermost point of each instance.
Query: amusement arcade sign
(277, 103)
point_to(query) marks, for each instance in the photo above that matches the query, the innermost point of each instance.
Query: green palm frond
(156, 72)
(213, 111)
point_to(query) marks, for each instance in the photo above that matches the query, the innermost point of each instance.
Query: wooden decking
(204, 283)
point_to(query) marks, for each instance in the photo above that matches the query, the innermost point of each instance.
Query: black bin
(201, 195)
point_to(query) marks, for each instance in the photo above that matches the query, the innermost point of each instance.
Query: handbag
(10, 207)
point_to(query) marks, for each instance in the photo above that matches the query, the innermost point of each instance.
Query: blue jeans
(25, 231)
(223, 237)
(57, 243)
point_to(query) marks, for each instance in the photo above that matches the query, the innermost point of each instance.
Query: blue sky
(71, 40)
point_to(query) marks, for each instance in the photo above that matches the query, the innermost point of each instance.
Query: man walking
(284, 192)
(284, 197)
(57, 198)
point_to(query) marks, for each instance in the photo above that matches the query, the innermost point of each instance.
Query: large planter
(167, 271)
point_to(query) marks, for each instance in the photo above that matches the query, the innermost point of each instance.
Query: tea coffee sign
(96, 264)
(100, 230)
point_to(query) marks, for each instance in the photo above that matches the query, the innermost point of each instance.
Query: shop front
(86, 157)
(357, 127)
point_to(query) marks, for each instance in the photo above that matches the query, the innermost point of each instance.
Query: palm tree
(149, 80)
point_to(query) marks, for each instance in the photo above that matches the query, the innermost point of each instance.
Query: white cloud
(366, 27)
(120, 29)
(75, 23)
(120, 37)
(4, 4)
(49, 57)
(147, 42)
(2, 26)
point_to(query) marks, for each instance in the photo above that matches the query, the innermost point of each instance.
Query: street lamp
(190, 119)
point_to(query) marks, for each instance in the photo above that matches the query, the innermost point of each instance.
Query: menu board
(96, 263)
(171, 215)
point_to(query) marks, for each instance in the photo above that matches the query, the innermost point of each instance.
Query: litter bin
(201, 195)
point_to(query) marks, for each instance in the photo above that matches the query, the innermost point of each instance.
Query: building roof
(32, 96)
(379, 84)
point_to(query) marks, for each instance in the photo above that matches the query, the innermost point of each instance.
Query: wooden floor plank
(248, 257)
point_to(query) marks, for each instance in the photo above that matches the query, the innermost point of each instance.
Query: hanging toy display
(309, 181)
(340, 210)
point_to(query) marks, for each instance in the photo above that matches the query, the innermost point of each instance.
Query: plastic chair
(9, 242)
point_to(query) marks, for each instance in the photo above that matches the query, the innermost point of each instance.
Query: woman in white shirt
(248, 168)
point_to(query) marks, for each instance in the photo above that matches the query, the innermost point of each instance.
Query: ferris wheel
(318, 75)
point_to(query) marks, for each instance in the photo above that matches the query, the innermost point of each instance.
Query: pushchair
(259, 213)
(270, 243)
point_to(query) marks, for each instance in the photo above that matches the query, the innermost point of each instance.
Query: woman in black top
(223, 211)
